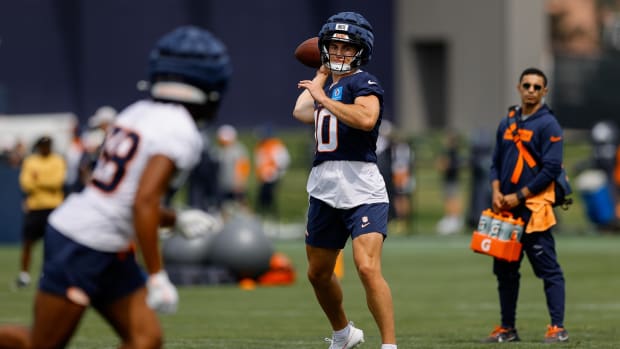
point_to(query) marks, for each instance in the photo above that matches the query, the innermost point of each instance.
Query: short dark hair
(534, 71)
(44, 140)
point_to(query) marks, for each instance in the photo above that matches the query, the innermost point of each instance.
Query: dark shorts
(330, 227)
(72, 270)
(35, 222)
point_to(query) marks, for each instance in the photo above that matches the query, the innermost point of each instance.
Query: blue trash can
(595, 191)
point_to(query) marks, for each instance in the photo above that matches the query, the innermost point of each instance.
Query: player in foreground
(89, 259)
(347, 193)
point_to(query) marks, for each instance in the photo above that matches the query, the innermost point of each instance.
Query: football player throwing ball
(348, 197)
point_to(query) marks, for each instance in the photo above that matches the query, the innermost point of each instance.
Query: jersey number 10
(326, 131)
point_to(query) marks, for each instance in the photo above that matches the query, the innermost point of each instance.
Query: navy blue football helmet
(350, 27)
(192, 56)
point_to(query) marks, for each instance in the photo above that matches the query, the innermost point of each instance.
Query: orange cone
(247, 284)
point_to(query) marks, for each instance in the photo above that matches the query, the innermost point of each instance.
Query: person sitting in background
(41, 179)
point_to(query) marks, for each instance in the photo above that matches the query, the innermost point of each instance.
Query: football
(308, 53)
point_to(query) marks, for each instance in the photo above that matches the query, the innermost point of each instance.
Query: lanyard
(524, 154)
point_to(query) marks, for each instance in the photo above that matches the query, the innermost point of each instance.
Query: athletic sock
(342, 334)
(388, 346)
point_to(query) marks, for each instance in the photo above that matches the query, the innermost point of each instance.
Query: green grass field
(444, 296)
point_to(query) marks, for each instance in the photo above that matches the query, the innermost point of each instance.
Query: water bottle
(506, 229)
(518, 229)
(496, 225)
(484, 224)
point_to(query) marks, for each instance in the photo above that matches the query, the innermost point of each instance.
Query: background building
(444, 63)
(458, 61)
(74, 56)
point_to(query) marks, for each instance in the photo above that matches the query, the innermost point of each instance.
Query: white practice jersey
(101, 216)
(347, 184)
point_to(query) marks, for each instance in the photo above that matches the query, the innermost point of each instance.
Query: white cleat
(23, 280)
(355, 338)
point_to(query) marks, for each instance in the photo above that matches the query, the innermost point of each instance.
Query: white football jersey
(101, 216)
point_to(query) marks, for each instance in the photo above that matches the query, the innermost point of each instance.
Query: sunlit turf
(444, 296)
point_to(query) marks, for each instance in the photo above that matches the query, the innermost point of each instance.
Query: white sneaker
(450, 225)
(23, 280)
(355, 338)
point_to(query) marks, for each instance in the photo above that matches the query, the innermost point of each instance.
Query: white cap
(226, 134)
(103, 115)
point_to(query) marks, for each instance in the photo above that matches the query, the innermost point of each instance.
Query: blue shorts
(330, 227)
(75, 271)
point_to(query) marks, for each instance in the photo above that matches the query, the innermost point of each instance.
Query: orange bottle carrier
(498, 236)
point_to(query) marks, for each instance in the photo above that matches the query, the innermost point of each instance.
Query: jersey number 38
(119, 148)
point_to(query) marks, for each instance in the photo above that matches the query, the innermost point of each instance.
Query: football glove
(162, 295)
(195, 223)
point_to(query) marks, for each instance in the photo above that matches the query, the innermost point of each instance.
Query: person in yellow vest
(41, 179)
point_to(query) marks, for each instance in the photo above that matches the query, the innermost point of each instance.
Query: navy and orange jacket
(542, 136)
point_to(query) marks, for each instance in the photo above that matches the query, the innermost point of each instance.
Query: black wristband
(520, 196)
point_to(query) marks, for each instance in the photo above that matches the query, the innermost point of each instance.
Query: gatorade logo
(495, 229)
(485, 245)
(483, 226)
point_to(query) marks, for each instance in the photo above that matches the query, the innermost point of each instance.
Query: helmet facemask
(349, 63)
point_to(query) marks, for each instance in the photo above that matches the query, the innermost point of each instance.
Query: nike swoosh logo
(364, 225)
(554, 139)
(370, 82)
